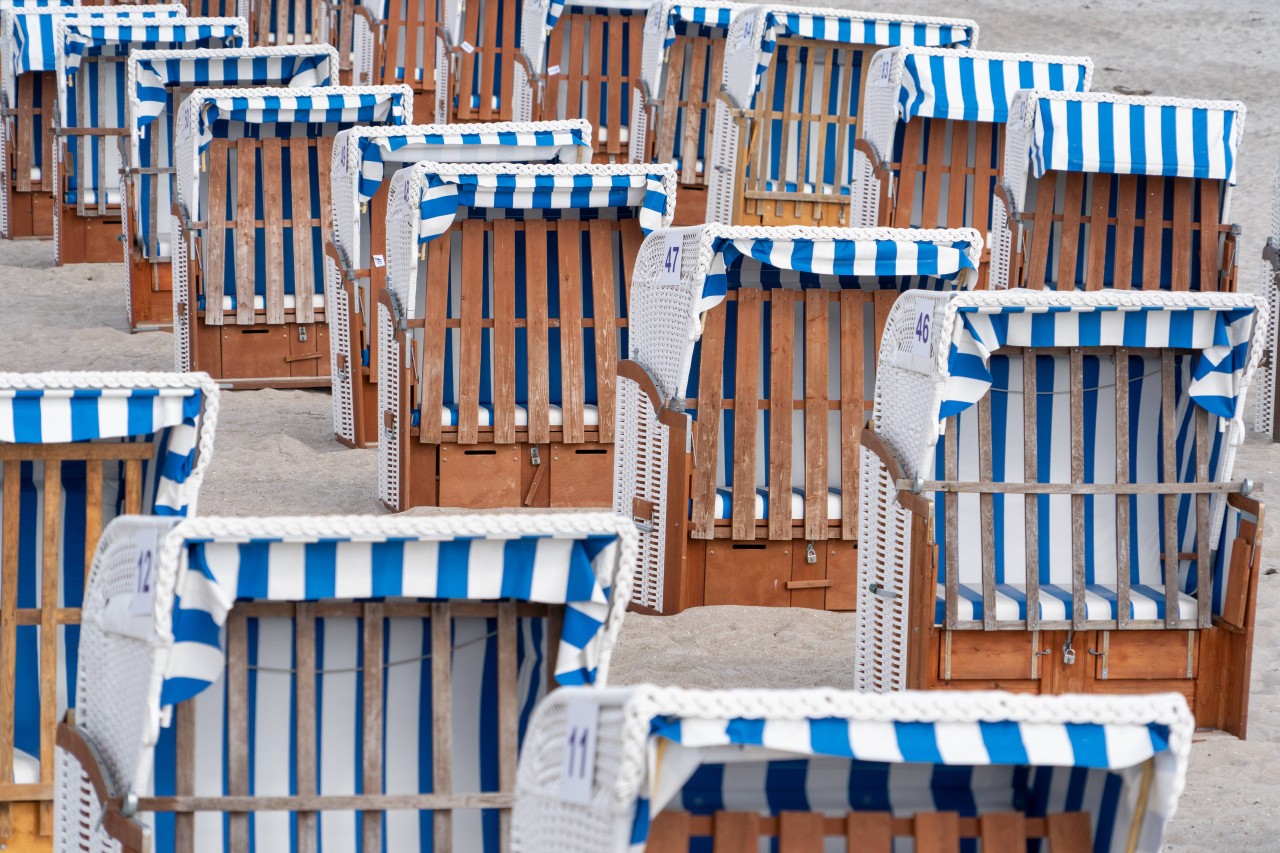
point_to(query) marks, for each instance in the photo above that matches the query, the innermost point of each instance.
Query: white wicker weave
(351, 223)
(665, 323)
(1265, 399)
(125, 658)
(631, 770)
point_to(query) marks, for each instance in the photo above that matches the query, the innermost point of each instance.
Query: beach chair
(582, 62)
(676, 771)
(403, 42)
(90, 124)
(277, 23)
(249, 291)
(361, 680)
(1265, 420)
(29, 91)
(1093, 164)
(791, 109)
(498, 344)
(482, 44)
(157, 81)
(682, 69)
(1135, 565)
(76, 450)
(933, 133)
(758, 510)
(365, 158)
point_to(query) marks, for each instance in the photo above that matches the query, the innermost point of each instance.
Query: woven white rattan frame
(1265, 399)
(389, 408)
(542, 820)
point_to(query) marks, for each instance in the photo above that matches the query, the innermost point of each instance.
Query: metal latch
(810, 554)
(877, 589)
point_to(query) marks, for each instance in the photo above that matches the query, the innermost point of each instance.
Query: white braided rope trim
(197, 99)
(137, 57)
(647, 702)
(711, 232)
(81, 380)
(446, 525)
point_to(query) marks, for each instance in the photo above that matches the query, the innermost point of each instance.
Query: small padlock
(535, 457)
(1068, 656)
(810, 554)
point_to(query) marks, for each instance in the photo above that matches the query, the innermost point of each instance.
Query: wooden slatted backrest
(35, 112)
(265, 194)
(812, 349)
(797, 137)
(93, 141)
(1189, 247)
(373, 666)
(520, 335)
(68, 487)
(595, 57)
(874, 832)
(283, 22)
(945, 175)
(683, 132)
(406, 47)
(1087, 420)
(211, 8)
(484, 85)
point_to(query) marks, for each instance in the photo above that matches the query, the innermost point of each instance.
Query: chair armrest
(916, 503)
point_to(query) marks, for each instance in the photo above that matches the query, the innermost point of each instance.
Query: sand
(276, 454)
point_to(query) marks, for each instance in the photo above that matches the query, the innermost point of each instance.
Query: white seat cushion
(724, 504)
(590, 416)
(1145, 603)
(26, 769)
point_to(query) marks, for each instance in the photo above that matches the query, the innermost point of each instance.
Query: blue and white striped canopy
(116, 37)
(301, 67)
(31, 30)
(1223, 333)
(1135, 136)
(853, 261)
(555, 8)
(847, 28)
(709, 15)
(576, 572)
(57, 415)
(331, 105)
(568, 188)
(965, 85)
(375, 151)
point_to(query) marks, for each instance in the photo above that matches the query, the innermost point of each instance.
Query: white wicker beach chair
(791, 109)
(157, 81)
(364, 161)
(90, 121)
(76, 449)
(934, 132)
(279, 23)
(480, 50)
(1265, 420)
(672, 770)
(1076, 160)
(30, 90)
(758, 510)
(1135, 565)
(404, 41)
(249, 299)
(484, 402)
(360, 680)
(682, 69)
(582, 61)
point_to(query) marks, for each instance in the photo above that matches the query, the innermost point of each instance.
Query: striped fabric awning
(839, 254)
(416, 143)
(967, 85)
(776, 22)
(1220, 326)
(711, 14)
(576, 571)
(57, 414)
(555, 8)
(30, 31)
(304, 66)
(449, 187)
(331, 105)
(1134, 136)
(118, 37)
(1035, 754)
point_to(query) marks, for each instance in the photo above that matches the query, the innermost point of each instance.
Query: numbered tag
(579, 753)
(379, 261)
(467, 48)
(672, 256)
(553, 70)
(922, 337)
(144, 574)
(883, 78)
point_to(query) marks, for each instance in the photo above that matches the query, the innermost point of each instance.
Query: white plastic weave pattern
(1265, 398)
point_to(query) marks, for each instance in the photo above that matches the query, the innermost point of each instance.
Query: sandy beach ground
(276, 454)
